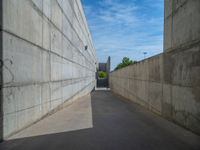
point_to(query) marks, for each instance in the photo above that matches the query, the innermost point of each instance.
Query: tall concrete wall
(141, 82)
(45, 59)
(182, 61)
(169, 84)
(1, 77)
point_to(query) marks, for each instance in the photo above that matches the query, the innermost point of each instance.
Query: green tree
(102, 74)
(125, 62)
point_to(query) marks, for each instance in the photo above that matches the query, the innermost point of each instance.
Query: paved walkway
(107, 122)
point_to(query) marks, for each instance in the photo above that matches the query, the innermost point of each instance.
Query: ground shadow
(118, 125)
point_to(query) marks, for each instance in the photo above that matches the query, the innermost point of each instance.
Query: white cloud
(125, 29)
(118, 13)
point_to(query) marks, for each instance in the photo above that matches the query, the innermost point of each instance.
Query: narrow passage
(103, 121)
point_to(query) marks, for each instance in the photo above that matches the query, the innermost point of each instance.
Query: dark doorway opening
(102, 75)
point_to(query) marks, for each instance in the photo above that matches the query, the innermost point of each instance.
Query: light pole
(144, 54)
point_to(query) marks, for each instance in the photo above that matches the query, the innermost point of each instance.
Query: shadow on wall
(1, 72)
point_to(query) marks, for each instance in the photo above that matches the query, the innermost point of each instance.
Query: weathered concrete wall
(141, 82)
(181, 74)
(169, 84)
(45, 62)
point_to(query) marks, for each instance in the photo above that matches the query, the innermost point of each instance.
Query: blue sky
(125, 28)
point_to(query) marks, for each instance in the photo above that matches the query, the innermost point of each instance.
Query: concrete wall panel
(45, 63)
(172, 97)
(28, 16)
(181, 23)
(16, 69)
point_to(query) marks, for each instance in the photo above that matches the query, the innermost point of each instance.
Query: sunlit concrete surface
(102, 89)
(44, 57)
(118, 124)
(76, 116)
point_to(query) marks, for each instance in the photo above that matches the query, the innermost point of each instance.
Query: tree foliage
(102, 74)
(125, 62)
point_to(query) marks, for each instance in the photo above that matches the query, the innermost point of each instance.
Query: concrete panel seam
(41, 48)
(64, 34)
(71, 24)
(71, 81)
(183, 47)
(78, 21)
(174, 11)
